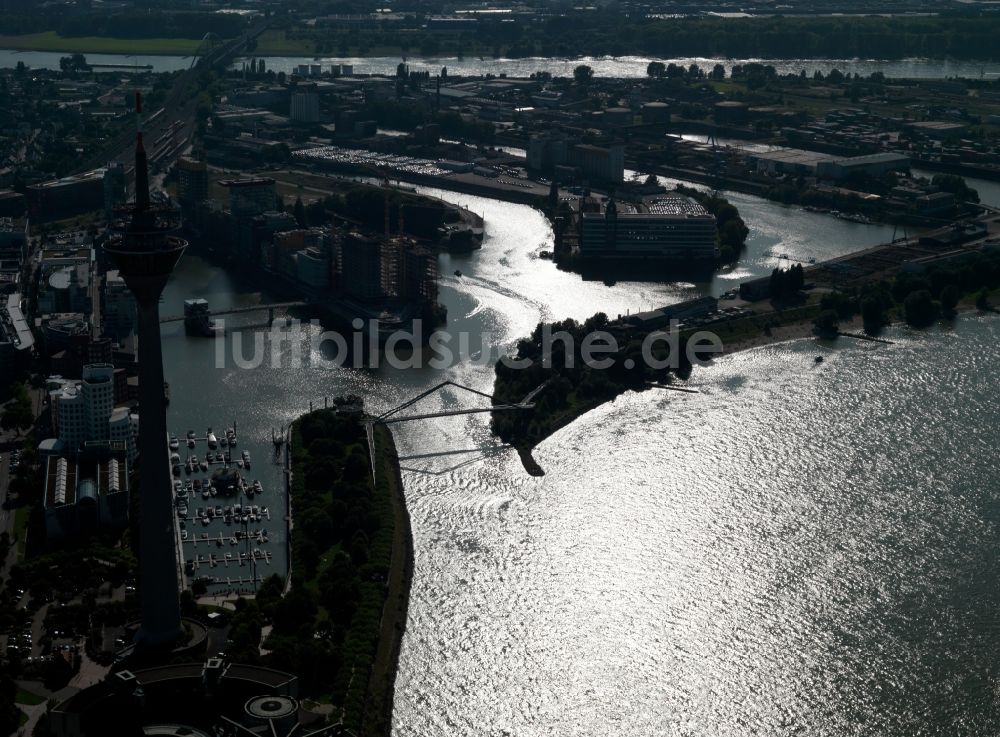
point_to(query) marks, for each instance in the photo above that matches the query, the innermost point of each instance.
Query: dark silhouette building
(145, 251)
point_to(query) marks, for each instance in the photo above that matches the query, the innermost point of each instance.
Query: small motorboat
(174, 442)
(212, 442)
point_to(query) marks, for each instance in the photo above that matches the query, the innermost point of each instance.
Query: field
(28, 698)
(52, 41)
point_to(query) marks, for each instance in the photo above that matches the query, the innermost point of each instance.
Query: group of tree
(570, 383)
(18, 414)
(786, 284)
(731, 230)
(918, 298)
(957, 186)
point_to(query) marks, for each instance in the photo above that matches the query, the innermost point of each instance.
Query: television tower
(142, 246)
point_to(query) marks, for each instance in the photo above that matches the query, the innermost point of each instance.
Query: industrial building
(666, 227)
(873, 165)
(605, 163)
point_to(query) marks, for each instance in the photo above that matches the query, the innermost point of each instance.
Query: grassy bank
(52, 41)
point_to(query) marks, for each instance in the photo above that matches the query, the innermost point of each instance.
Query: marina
(220, 522)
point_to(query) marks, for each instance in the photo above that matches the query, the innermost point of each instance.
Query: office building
(13, 244)
(66, 197)
(249, 197)
(115, 188)
(84, 414)
(192, 182)
(671, 227)
(84, 495)
(118, 304)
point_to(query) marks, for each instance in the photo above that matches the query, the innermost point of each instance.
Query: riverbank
(381, 684)
(52, 41)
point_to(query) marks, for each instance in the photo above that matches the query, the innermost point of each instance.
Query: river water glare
(800, 548)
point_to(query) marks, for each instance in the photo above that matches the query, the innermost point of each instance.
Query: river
(797, 549)
(623, 66)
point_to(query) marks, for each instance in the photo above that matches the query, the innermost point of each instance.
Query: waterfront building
(361, 275)
(419, 274)
(313, 268)
(145, 250)
(666, 227)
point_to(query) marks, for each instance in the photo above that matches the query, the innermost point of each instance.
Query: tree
(10, 715)
(583, 74)
(652, 181)
(872, 313)
(656, 69)
(299, 211)
(957, 186)
(949, 299)
(718, 72)
(827, 323)
(919, 308)
(19, 413)
(983, 301)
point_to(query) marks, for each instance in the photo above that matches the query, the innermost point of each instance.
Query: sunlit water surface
(800, 548)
